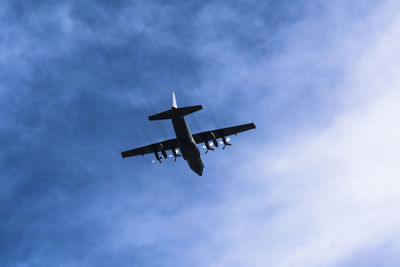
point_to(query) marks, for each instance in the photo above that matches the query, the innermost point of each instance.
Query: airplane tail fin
(175, 112)
(174, 104)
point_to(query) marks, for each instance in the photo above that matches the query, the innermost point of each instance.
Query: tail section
(175, 112)
(188, 110)
(174, 105)
(166, 115)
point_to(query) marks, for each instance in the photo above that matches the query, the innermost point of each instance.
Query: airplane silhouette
(185, 141)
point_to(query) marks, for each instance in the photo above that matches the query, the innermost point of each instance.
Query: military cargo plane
(185, 141)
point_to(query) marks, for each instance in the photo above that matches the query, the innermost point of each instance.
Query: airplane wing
(156, 147)
(172, 144)
(219, 133)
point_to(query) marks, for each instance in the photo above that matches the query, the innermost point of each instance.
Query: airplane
(185, 141)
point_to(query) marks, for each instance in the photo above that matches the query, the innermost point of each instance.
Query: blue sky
(315, 185)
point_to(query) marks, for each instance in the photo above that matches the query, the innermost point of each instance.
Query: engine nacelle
(163, 151)
(157, 156)
(214, 139)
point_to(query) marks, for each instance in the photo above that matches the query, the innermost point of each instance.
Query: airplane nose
(199, 171)
(197, 167)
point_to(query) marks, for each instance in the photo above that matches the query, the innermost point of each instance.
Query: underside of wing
(170, 144)
(222, 133)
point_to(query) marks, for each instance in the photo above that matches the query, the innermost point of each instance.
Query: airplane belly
(191, 154)
(189, 150)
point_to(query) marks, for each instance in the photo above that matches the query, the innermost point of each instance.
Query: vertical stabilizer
(174, 112)
(174, 105)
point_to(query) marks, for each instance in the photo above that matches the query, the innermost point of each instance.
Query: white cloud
(325, 193)
(320, 194)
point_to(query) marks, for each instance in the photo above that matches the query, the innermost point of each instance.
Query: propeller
(169, 156)
(208, 146)
(175, 152)
(157, 156)
(225, 142)
(211, 144)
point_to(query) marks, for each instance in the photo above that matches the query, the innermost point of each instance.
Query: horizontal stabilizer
(166, 115)
(175, 113)
(187, 110)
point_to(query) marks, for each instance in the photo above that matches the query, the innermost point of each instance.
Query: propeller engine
(208, 146)
(215, 142)
(157, 156)
(225, 142)
(175, 153)
(163, 151)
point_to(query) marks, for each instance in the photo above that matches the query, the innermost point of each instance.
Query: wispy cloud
(314, 185)
(322, 195)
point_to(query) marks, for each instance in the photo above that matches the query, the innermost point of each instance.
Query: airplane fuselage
(189, 150)
(185, 141)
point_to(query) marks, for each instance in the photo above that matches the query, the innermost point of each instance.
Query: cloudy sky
(316, 184)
